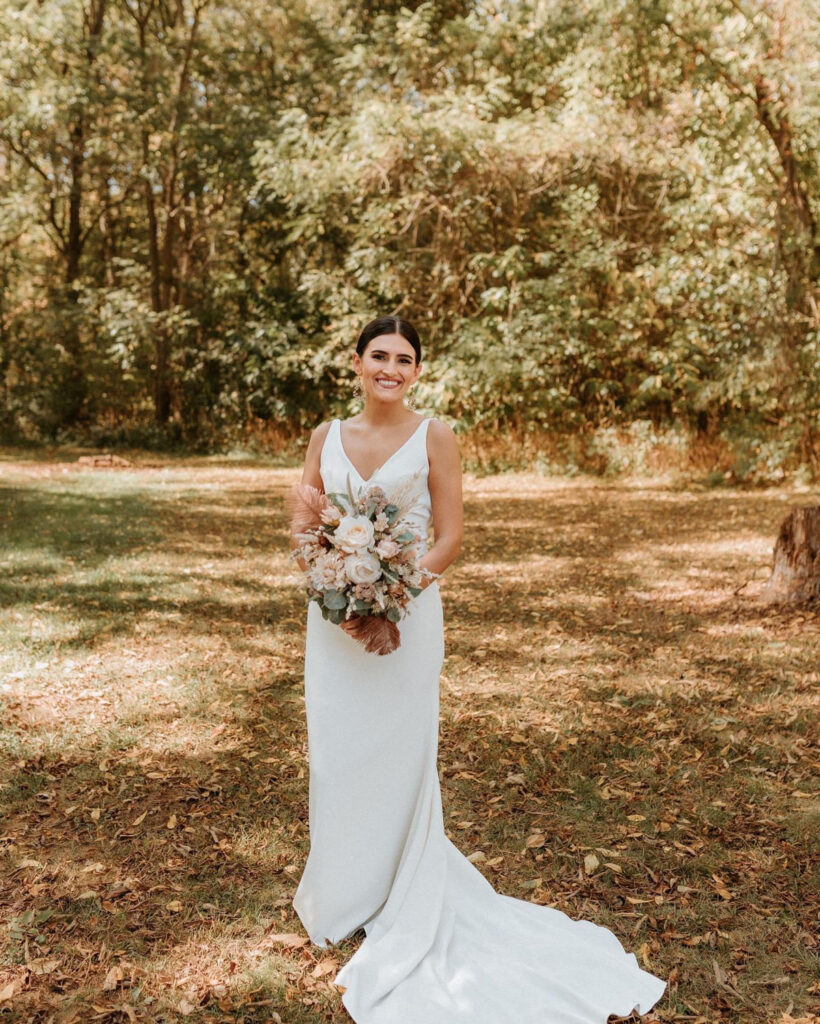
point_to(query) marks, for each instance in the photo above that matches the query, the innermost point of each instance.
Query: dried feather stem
(376, 634)
(304, 505)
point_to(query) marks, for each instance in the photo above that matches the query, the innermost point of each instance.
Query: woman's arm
(444, 482)
(311, 474)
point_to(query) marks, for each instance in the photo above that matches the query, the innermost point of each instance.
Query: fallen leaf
(288, 939)
(535, 840)
(591, 863)
(174, 906)
(43, 966)
(10, 991)
(324, 967)
(122, 886)
(113, 978)
(721, 976)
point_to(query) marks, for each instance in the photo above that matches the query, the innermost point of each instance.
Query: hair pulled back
(389, 325)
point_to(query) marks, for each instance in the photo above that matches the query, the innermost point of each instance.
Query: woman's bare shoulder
(316, 442)
(320, 432)
(441, 432)
(441, 440)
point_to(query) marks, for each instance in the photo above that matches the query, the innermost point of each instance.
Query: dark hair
(389, 325)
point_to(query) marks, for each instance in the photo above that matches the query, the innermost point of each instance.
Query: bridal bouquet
(362, 560)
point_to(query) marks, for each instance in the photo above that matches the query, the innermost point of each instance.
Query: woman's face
(387, 368)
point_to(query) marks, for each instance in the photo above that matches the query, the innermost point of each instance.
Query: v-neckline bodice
(378, 469)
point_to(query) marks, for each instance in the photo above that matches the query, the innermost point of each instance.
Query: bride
(441, 945)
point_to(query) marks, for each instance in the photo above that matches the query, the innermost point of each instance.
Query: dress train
(441, 946)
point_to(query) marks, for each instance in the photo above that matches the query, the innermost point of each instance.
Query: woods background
(602, 214)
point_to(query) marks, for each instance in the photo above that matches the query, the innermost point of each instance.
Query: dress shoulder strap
(421, 437)
(331, 437)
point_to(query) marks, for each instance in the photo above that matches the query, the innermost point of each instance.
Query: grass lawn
(626, 734)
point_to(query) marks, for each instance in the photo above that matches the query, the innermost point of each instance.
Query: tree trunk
(163, 214)
(72, 391)
(796, 571)
(797, 229)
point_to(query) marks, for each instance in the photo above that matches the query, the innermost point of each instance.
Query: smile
(388, 383)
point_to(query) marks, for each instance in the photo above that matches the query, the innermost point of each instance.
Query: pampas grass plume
(304, 505)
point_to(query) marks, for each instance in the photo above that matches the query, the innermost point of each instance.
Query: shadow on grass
(584, 703)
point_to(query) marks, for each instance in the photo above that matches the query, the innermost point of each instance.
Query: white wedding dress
(441, 946)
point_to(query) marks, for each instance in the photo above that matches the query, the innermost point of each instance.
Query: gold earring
(358, 390)
(411, 397)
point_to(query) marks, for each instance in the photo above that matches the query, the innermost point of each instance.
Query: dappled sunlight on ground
(626, 734)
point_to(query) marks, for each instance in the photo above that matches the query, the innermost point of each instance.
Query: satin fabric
(441, 946)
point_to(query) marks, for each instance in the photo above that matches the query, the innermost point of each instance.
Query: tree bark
(73, 388)
(72, 392)
(163, 211)
(796, 570)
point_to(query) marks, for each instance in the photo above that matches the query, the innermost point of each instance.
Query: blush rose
(387, 548)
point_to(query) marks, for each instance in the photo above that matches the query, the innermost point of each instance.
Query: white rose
(354, 533)
(363, 567)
